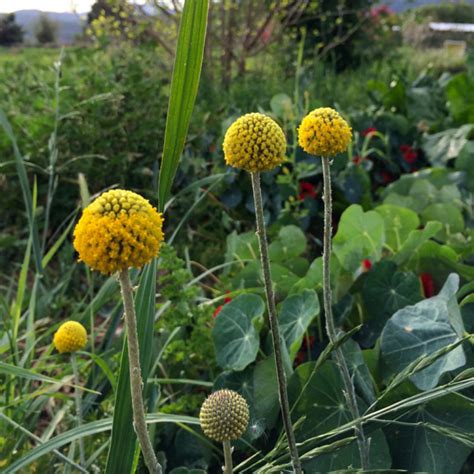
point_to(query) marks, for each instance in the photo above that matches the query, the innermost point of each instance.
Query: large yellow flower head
(120, 229)
(254, 142)
(70, 337)
(224, 415)
(324, 132)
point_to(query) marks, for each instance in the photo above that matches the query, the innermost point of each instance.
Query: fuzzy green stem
(78, 400)
(136, 383)
(349, 390)
(273, 321)
(227, 457)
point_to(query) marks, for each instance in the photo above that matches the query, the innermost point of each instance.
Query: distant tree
(45, 30)
(10, 32)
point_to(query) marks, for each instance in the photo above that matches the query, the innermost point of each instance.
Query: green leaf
(184, 87)
(324, 408)
(235, 336)
(296, 314)
(464, 163)
(415, 239)
(313, 278)
(385, 291)
(432, 439)
(422, 329)
(399, 222)
(266, 405)
(360, 235)
(448, 214)
(446, 145)
(460, 95)
(282, 106)
(291, 242)
(359, 370)
(242, 247)
(123, 442)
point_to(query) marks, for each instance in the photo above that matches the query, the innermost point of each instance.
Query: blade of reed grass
(26, 191)
(83, 431)
(123, 442)
(184, 87)
(13, 370)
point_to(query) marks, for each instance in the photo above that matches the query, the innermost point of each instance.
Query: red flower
(356, 160)
(366, 264)
(387, 177)
(307, 190)
(368, 132)
(410, 155)
(303, 352)
(428, 284)
(227, 299)
(305, 342)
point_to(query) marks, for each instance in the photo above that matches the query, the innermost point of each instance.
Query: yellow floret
(120, 229)
(324, 132)
(70, 337)
(224, 416)
(254, 142)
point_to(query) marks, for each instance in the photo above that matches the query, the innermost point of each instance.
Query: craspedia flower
(70, 337)
(254, 142)
(120, 229)
(224, 415)
(324, 132)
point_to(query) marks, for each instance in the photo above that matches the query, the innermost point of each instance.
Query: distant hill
(402, 5)
(69, 24)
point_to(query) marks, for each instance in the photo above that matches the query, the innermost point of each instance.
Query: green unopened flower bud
(224, 415)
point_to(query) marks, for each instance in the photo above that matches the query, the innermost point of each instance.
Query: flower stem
(78, 400)
(136, 383)
(349, 389)
(227, 457)
(272, 318)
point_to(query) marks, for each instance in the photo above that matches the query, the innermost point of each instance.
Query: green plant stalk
(136, 383)
(78, 401)
(228, 469)
(272, 317)
(349, 391)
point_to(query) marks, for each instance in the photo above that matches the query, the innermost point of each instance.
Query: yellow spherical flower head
(120, 229)
(324, 132)
(70, 337)
(224, 415)
(254, 142)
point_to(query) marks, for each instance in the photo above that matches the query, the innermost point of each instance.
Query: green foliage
(360, 235)
(11, 32)
(403, 225)
(236, 332)
(422, 329)
(45, 30)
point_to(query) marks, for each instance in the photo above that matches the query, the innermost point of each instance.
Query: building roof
(458, 27)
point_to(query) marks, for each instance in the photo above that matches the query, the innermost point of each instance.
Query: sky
(80, 6)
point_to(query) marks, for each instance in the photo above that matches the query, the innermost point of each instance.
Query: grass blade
(25, 189)
(83, 431)
(184, 87)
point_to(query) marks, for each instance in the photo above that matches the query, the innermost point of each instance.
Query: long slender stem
(272, 317)
(136, 383)
(78, 400)
(349, 391)
(228, 469)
